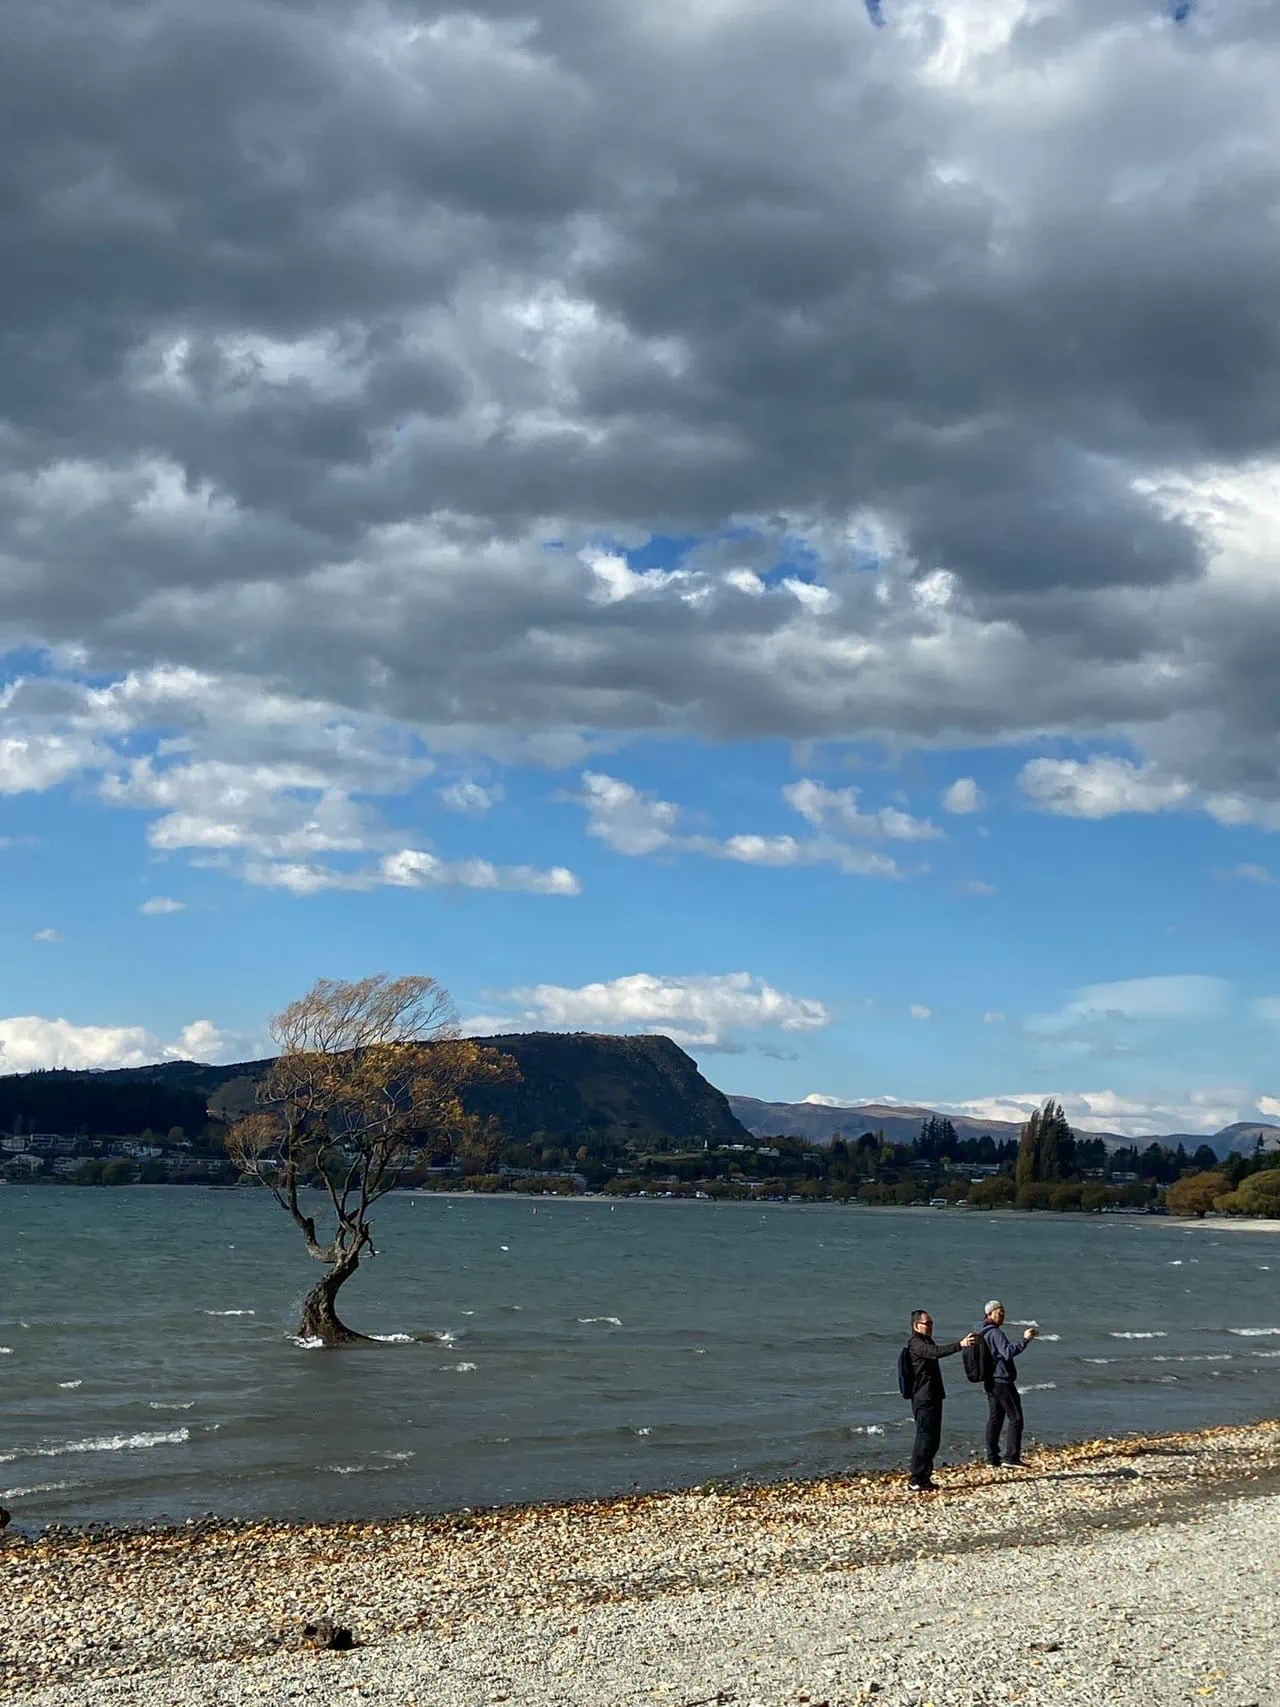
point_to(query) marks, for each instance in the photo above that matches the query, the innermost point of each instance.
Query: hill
(643, 1092)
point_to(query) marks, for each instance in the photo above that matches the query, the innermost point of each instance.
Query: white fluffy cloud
(836, 812)
(633, 822)
(471, 797)
(919, 1011)
(964, 796)
(624, 818)
(264, 785)
(157, 905)
(411, 868)
(29, 1043)
(698, 1012)
(1104, 787)
(47, 935)
(1100, 787)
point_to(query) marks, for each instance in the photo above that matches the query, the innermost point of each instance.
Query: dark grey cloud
(321, 322)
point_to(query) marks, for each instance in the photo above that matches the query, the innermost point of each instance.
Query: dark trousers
(1004, 1406)
(928, 1415)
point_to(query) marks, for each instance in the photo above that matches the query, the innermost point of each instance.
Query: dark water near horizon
(560, 1348)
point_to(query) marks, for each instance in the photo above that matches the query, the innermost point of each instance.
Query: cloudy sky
(749, 519)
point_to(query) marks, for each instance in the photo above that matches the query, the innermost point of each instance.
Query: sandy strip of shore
(1143, 1571)
(1221, 1223)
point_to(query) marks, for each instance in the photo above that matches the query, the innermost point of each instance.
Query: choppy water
(551, 1348)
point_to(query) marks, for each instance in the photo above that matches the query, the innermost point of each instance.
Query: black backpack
(979, 1363)
(906, 1373)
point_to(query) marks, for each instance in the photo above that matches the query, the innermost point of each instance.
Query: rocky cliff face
(639, 1090)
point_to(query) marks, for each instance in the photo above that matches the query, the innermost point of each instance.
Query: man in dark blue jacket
(927, 1394)
(1004, 1404)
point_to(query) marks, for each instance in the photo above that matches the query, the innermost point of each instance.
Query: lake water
(559, 1348)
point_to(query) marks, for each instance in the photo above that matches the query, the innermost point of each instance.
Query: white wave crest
(393, 1339)
(170, 1404)
(463, 1368)
(1192, 1357)
(355, 1469)
(1040, 1387)
(101, 1443)
(1102, 1360)
(642, 1431)
(1254, 1333)
(71, 1385)
(6, 1351)
(230, 1312)
(612, 1321)
(1048, 1336)
(36, 1488)
(1157, 1334)
(870, 1428)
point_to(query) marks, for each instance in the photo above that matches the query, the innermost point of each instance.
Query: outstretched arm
(932, 1352)
(1000, 1343)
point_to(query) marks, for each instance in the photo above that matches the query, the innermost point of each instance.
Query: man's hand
(1031, 1333)
(967, 1341)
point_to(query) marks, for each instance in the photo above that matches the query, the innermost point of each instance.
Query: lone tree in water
(368, 1076)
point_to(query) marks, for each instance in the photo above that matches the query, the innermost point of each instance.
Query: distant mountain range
(821, 1122)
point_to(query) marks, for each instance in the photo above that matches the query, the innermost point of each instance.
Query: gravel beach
(1136, 1570)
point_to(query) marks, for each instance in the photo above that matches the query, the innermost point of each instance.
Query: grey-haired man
(1004, 1403)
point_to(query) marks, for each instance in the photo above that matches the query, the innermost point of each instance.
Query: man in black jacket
(927, 1394)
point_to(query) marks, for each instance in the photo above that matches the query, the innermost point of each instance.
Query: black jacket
(927, 1389)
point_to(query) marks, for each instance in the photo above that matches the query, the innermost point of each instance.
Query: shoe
(1011, 1464)
(922, 1487)
(993, 1463)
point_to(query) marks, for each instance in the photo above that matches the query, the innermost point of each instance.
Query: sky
(752, 521)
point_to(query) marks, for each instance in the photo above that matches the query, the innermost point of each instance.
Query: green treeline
(57, 1101)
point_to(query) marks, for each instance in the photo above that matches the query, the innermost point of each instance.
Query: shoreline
(159, 1615)
(1159, 1217)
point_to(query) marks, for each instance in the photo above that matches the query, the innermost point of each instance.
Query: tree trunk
(320, 1320)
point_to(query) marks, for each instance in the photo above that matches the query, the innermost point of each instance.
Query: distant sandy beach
(1225, 1223)
(1135, 1570)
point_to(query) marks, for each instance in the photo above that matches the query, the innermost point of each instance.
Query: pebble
(1111, 1571)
